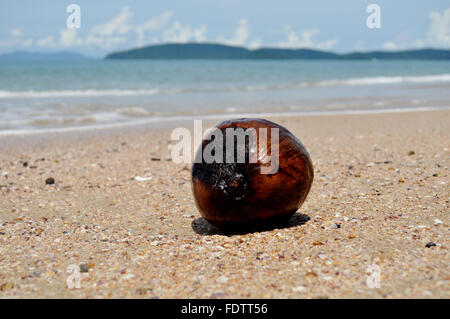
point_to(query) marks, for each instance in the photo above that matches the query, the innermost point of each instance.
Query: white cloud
(16, 33)
(178, 33)
(27, 42)
(390, 45)
(111, 33)
(439, 30)
(293, 40)
(17, 39)
(157, 23)
(68, 38)
(115, 32)
(305, 40)
(359, 46)
(420, 43)
(104, 42)
(255, 43)
(437, 35)
(164, 28)
(328, 44)
(118, 25)
(45, 42)
(241, 34)
(152, 25)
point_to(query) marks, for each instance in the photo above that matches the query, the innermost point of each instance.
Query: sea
(44, 96)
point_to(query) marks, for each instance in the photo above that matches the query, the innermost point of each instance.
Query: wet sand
(380, 194)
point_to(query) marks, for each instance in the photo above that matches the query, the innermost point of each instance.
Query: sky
(109, 25)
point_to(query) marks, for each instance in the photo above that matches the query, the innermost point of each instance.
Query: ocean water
(57, 95)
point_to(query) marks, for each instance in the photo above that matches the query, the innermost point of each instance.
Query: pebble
(143, 179)
(299, 289)
(437, 221)
(334, 226)
(222, 279)
(50, 181)
(127, 276)
(430, 244)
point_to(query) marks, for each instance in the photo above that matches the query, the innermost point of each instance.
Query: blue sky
(108, 26)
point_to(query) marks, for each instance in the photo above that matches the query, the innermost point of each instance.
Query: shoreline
(170, 121)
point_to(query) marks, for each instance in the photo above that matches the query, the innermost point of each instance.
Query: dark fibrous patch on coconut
(232, 179)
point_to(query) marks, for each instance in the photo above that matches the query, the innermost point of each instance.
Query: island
(220, 51)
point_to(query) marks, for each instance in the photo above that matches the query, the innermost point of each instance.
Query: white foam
(377, 80)
(387, 80)
(179, 118)
(75, 93)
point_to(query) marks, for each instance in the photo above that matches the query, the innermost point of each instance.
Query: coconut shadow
(202, 227)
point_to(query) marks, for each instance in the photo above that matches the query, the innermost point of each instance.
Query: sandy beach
(380, 194)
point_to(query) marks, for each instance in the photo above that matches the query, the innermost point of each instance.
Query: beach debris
(268, 180)
(6, 286)
(143, 179)
(155, 159)
(143, 291)
(127, 276)
(410, 153)
(334, 226)
(430, 244)
(310, 275)
(222, 279)
(84, 268)
(299, 289)
(438, 222)
(50, 181)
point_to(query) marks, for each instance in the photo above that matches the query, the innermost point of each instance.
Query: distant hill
(23, 55)
(422, 54)
(219, 51)
(183, 51)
